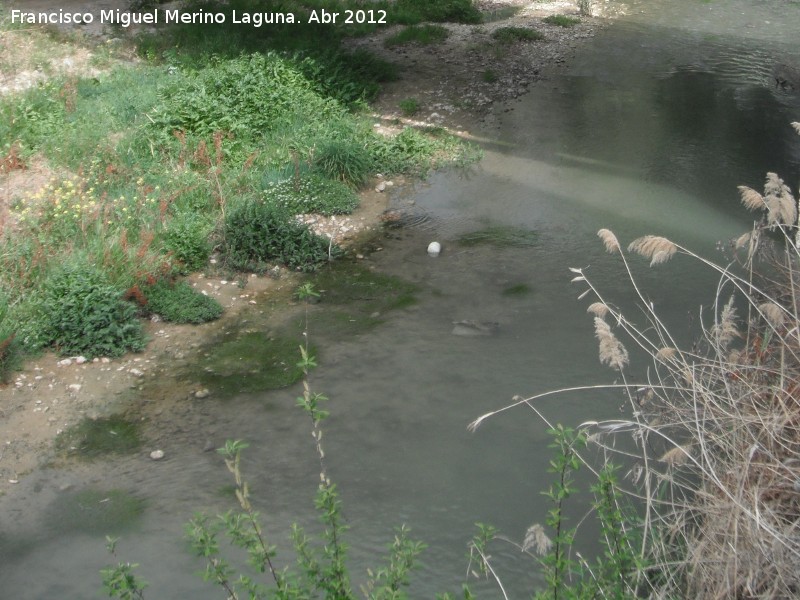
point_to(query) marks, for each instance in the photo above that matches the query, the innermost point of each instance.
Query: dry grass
(722, 500)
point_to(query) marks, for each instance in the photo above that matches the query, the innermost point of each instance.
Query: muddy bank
(456, 84)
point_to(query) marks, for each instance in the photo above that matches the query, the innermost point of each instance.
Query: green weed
(511, 35)
(561, 20)
(257, 233)
(409, 106)
(178, 302)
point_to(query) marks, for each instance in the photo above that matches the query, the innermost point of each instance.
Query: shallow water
(650, 130)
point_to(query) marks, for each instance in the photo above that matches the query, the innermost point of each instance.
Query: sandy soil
(450, 82)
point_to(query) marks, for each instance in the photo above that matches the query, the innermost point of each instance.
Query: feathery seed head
(598, 309)
(609, 240)
(612, 352)
(658, 249)
(773, 313)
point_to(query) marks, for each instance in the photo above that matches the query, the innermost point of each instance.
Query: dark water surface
(650, 130)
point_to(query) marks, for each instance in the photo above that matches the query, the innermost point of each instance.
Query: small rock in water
(475, 328)
(202, 393)
(434, 248)
(157, 454)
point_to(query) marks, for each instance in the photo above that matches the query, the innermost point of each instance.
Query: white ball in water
(434, 248)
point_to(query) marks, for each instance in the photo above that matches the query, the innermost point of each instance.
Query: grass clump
(512, 35)
(312, 194)
(178, 302)
(92, 438)
(500, 237)
(490, 76)
(344, 160)
(187, 237)
(257, 233)
(419, 34)
(409, 107)
(561, 20)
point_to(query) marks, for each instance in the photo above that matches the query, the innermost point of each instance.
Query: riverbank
(455, 86)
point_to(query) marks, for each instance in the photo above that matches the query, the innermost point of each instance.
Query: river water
(649, 130)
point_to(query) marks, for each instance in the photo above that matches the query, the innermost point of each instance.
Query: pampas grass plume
(609, 240)
(612, 352)
(598, 309)
(657, 249)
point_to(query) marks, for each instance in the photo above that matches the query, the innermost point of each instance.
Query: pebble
(136, 372)
(64, 362)
(157, 454)
(74, 387)
(434, 248)
(79, 360)
(380, 187)
(202, 393)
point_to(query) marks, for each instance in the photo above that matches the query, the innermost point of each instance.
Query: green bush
(247, 96)
(86, 315)
(312, 194)
(344, 160)
(178, 302)
(257, 232)
(187, 237)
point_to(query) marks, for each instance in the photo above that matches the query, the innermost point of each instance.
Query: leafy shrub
(10, 349)
(246, 96)
(86, 315)
(421, 34)
(187, 237)
(312, 194)
(509, 35)
(179, 302)
(344, 160)
(257, 232)
(349, 78)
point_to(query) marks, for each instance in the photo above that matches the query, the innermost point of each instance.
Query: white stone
(434, 249)
(202, 393)
(74, 387)
(157, 454)
(80, 360)
(65, 362)
(136, 372)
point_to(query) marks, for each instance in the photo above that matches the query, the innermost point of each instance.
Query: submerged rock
(475, 328)
(434, 249)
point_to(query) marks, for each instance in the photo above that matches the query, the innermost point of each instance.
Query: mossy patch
(501, 237)
(97, 437)
(94, 511)
(251, 362)
(518, 289)
(354, 299)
